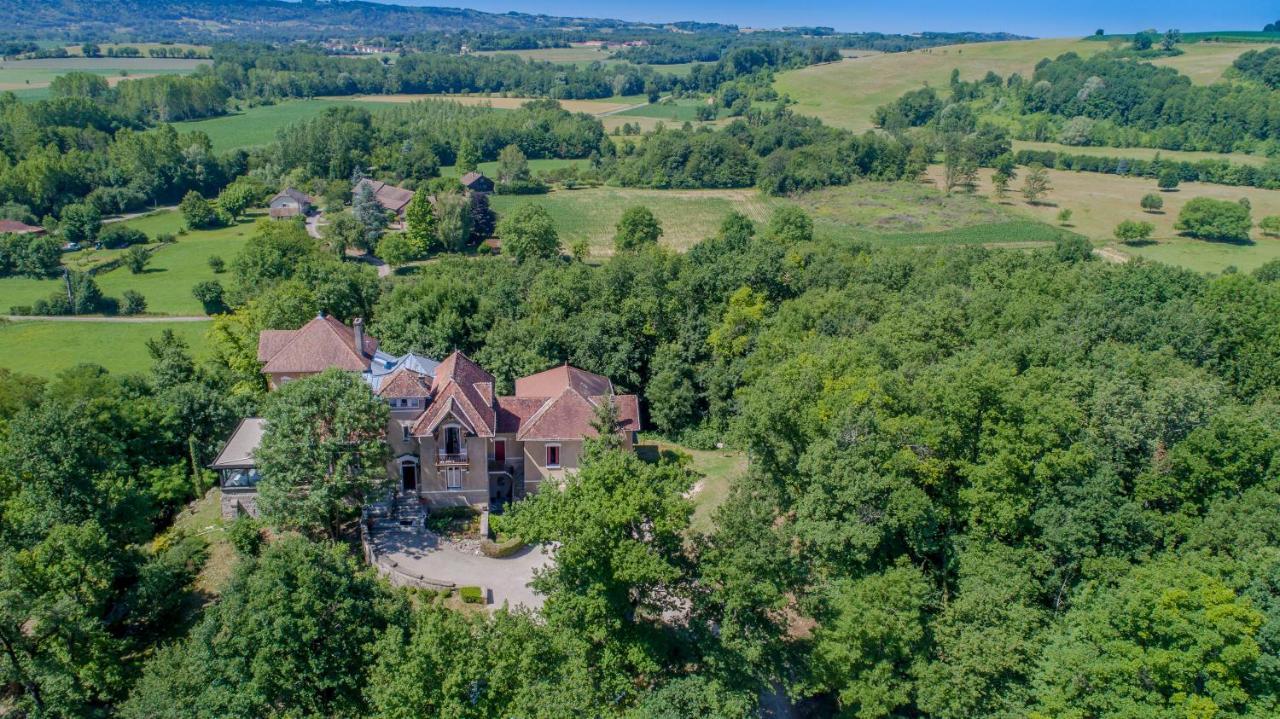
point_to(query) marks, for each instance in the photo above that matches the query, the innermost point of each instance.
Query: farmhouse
(393, 198)
(477, 182)
(290, 203)
(454, 441)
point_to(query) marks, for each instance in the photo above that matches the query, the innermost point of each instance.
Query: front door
(499, 451)
(409, 477)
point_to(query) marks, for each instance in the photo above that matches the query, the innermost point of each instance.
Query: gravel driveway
(507, 579)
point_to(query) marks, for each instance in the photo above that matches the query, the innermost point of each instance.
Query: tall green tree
(324, 451)
(635, 229)
(421, 225)
(528, 232)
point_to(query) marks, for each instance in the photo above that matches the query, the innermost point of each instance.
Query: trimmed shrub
(471, 595)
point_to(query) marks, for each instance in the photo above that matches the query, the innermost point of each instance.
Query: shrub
(1134, 231)
(1209, 219)
(1064, 217)
(217, 264)
(245, 535)
(197, 211)
(471, 595)
(210, 295)
(502, 547)
(134, 303)
(116, 236)
(1151, 202)
(1270, 225)
(1168, 178)
(166, 237)
(136, 259)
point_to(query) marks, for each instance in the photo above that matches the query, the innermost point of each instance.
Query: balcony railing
(446, 457)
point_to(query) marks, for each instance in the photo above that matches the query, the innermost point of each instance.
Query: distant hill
(212, 20)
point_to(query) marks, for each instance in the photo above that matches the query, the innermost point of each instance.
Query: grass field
(1141, 153)
(258, 126)
(845, 93)
(883, 214)
(44, 348)
(1204, 62)
(592, 107)
(174, 269)
(1099, 202)
(27, 75)
(681, 110)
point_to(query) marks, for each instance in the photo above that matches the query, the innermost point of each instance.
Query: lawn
(717, 470)
(1099, 202)
(845, 93)
(257, 126)
(174, 269)
(203, 518)
(45, 347)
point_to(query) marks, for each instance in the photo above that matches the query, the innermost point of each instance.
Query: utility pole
(71, 300)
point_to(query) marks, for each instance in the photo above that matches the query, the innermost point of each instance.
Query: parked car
(71, 247)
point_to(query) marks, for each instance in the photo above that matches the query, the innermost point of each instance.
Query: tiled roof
(514, 411)
(322, 343)
(470, 178)
(19, 228)
(557, 379)
(460, 386)
(569, 415)
(389, 196)
(404, 383)
(294, 194)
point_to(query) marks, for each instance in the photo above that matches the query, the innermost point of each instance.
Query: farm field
(174, 269)
(593, 107)
(1204, 62)
(1099, 202)
(682, 110)
(45, 347)
(257, 126)
(1140, 153)
(27, 75)
(885, 214)
(845, 93)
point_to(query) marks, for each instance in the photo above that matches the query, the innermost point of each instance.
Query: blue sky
(1029, 18)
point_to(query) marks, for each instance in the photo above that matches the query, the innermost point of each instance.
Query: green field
(175, 268)
(682, 110)
(27, 75)
(1140, 153)
(43, 347)
(887, 214)
(257, 126)
(845, 93)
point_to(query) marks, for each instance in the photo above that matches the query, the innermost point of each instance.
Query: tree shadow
(1139, 243)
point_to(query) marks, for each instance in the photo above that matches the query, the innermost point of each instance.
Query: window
(453, 478)
(404, 430)
(553, 456)
(404, 402)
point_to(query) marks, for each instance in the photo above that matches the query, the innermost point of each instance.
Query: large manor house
(454, 440)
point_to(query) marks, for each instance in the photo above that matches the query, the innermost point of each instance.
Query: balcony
(458, 456)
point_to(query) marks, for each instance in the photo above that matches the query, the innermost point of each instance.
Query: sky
(1053, 19)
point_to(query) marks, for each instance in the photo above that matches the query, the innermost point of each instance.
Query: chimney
(357, 329)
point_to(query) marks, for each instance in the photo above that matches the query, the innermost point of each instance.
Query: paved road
(90, 318)
(508, 579)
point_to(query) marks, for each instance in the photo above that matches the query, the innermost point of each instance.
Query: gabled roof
(322, 343)
(389, 196)
(462, 388)
(239, 450)
(471, 177)
(557, 379)
(570, 414)
(404, 383)
(294, 194)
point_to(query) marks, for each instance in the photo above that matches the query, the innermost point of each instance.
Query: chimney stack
(357, 329)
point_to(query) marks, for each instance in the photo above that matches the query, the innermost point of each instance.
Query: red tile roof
(389, 196)
(404, 383)
(19, 228)
(465, 390)
(569, 416)
(557, 379)
(322, 343)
